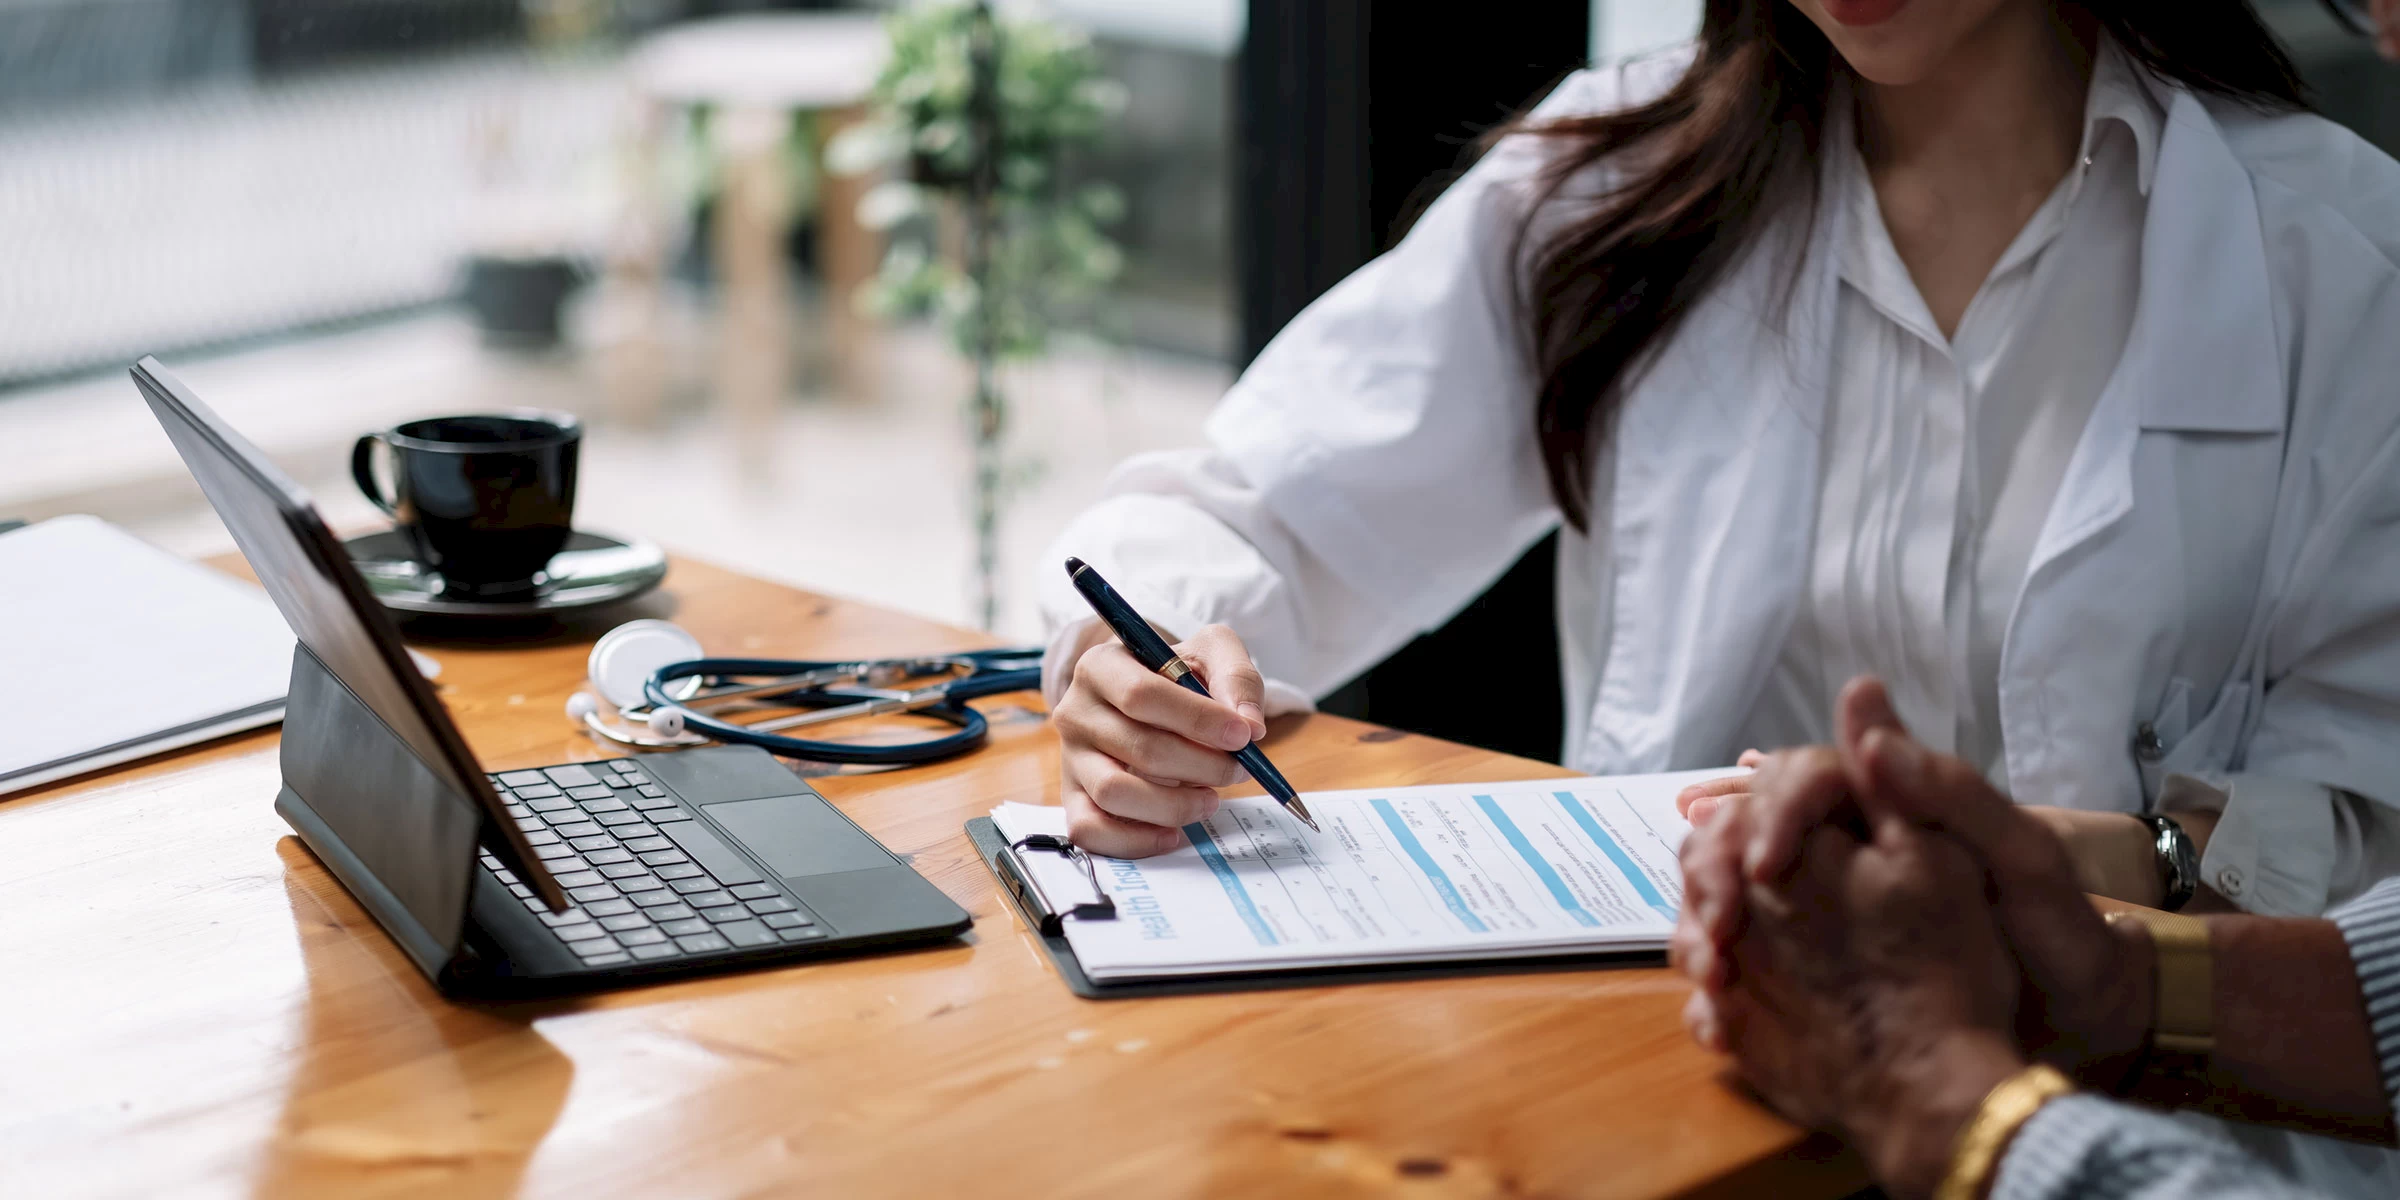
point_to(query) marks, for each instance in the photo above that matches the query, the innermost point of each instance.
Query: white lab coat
(2218, 579)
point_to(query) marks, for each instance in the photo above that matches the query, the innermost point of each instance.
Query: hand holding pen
(1141, 755)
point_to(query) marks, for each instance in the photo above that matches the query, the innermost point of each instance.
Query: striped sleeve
(2092, 1148)
(2371, 926)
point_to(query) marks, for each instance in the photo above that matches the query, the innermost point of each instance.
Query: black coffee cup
(483, 500)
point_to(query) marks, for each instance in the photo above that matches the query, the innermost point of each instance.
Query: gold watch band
(2185, 1020)
(2005, 1109)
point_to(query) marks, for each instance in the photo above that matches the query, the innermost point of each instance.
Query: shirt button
(2229, 881)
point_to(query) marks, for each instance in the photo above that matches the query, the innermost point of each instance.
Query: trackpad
(799, 836)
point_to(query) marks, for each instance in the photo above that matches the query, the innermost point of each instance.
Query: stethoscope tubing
(987, 674)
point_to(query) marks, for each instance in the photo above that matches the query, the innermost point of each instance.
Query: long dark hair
(1709, 161)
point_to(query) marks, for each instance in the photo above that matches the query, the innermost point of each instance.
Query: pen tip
(1301, 811)
(1074, 565)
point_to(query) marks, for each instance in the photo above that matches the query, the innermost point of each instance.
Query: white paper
(1417, 874)
(112, 649)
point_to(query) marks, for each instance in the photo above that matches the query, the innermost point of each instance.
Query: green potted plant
(977, 119)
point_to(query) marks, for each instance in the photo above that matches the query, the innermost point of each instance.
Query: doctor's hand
(1141, 757)
(1699, 803)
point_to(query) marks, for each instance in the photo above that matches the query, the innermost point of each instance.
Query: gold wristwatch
(2183, 1024)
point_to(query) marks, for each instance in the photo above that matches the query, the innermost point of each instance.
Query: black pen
(1153, 653)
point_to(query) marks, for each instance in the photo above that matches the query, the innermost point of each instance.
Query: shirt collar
(2119, 94)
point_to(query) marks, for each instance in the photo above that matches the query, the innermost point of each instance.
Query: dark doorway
(1353, 115)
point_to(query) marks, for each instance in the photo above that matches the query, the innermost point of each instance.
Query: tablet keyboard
(648, 882)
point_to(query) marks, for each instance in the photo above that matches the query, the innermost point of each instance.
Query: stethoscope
(657, 678)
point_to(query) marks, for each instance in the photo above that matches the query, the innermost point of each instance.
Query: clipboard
(1045, 924)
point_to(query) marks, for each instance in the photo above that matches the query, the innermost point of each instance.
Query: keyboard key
(529, 824)
(697, 883)
(616, 781)
(660, 901)
(609, 908)
(604, 806)
(627, 922)
(520, 891)
(647, 844)
(747, 933)
(565, 866)
(680, 871)
(624, 870)
(772, 904)
(536, 904)
(666, 815)
(550, 804)
(517, 810)
(702, 943)
(588, 947)
(686, 925)
(652, 789)
(753, 891)
(644, 884)
(522, 778)
(661, 950)
(617, 818)
(593, 792)
(504, 875)
(624, 766)
(580, 879)
(598, 841)
(786, 920)
(585, 895)
(804, 934)
(554, 850)
(710, 899)
(665, 858)
(539, 791)
(609, 855)
(609, 959)
(577, 829)
(640, 937)
(573, 916)
(725, 916)
(578, 933)
(649, 802)
(542, 837)
(569, 776)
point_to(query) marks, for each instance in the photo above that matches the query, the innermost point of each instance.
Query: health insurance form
(1420, 874)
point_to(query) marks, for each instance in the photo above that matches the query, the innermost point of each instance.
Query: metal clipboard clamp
(1027, 887)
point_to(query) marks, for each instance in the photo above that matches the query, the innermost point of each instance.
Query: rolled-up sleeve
(1371, 472)
(2288, 847)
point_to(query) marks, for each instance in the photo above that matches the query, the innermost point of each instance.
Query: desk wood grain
(190, 1005)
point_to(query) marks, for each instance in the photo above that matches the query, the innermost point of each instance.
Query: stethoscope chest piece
(625, 657)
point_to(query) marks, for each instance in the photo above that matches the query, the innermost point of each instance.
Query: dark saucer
(593, 570)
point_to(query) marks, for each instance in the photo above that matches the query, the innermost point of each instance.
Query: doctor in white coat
(2041, 358)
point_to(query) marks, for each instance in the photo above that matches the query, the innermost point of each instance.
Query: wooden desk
(190, 1005)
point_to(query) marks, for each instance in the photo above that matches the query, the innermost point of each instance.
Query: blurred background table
(762, 78)
(196, 1008)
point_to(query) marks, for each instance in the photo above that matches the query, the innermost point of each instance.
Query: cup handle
(362, 472)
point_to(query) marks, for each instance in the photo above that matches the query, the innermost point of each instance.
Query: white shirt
(1943, 454)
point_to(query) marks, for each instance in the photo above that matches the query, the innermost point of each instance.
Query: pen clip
(1029, 890)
